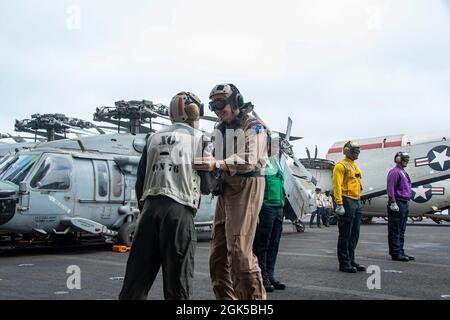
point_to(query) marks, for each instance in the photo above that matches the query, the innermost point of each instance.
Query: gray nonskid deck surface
(307, 263)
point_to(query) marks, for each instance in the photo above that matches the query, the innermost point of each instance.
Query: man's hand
(340, 210)
(204, 164)
(394, 207)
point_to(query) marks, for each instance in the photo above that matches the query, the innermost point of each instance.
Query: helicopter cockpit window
(17, 169)
(54, 174)
(4, 161)
(102, 172)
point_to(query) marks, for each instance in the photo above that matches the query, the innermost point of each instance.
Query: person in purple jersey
(399, 193)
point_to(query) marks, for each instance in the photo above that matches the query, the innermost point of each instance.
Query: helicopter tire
(366, 220)
(299, 226)
(333, 220)
(126, 233)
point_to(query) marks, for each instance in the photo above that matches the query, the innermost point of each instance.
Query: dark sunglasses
(218, 105)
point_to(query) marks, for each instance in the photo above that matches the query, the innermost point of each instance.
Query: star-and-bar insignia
(424, 193)
(437, 158)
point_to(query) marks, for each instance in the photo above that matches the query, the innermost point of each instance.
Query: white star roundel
(439, 158)
(422, 194)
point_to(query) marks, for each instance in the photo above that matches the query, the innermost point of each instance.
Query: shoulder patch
(258, 128)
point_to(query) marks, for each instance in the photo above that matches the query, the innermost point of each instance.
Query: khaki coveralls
(234, 269)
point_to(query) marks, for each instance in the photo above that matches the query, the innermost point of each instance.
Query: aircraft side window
(54, 174)
(117, 181)
(102, 172)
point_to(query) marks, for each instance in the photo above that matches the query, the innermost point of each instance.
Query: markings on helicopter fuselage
(437, 158)
(59, 204)
(445, 296)
(117, 278)
(42, 219)
(26, 265)
(61, 292)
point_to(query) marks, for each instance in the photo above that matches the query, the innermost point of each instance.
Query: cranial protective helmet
(232, 96)
(318, 188)
(352, 146)
(185, 107)
(401, 156)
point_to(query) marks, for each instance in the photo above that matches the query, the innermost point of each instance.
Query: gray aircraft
(66, 188)
(428, 169)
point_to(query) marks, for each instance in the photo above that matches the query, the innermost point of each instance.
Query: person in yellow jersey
(347, 192)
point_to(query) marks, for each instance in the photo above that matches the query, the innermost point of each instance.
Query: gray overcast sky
(341, 69)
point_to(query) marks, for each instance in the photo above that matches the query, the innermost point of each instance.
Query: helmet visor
(218, 105)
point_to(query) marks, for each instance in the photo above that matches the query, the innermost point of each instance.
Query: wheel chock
(121, 249)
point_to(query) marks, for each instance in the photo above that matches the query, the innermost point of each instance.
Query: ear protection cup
(236, 98)
(185, 106)
(401, 156)
(193, 112)
(192, 99)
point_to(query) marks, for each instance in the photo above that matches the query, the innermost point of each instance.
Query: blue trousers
(267, 240)
(396, 228)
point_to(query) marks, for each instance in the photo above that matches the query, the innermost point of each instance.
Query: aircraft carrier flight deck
(306, 263)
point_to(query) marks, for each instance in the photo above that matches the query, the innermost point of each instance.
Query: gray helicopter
(66, 188)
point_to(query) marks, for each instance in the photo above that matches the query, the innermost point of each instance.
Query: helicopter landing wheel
(126, 233)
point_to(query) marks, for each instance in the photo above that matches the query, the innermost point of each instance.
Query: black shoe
(278, 285)
(359, 267)
(411, 258)
(269, 287)
(348, 269)
(400, 258)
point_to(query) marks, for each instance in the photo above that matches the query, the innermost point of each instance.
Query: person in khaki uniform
(328, 208)
(234, 269)
(318, 198)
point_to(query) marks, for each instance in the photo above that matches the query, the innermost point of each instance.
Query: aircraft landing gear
(366, 220)
(333, 220)
(299, 226)
(126, 233)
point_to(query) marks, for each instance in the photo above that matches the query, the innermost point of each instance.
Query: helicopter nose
(7, 209)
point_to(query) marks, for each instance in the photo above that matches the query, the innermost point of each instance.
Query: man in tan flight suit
(234, 269)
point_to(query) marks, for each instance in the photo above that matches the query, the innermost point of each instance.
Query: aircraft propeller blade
(283, 136)
(288, 129)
